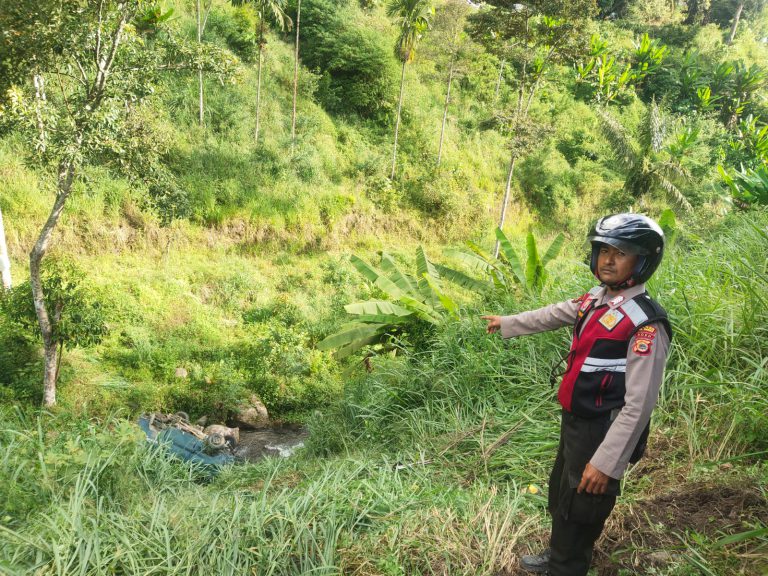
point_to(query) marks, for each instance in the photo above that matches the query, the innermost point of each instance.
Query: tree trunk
(397, 122)
(40, 99)
(445, 112)
(505, 201)
(295, 77)
(258, 81)
(200, 67)
(735, 24)
(498, 80)
(5, 262)
(692, 13)
(64, 187)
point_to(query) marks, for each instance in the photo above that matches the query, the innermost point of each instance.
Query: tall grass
(429, 465)
(104, 504)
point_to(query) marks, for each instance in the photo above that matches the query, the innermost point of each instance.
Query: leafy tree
(608, 79)
(414, 304)
(747, 185)
(696, 11)
(274, 9)
(412, 20)
(532, 37)
(751, 6)
(357, 71)
(749, 150)
(742, 89)
(649, 164)
(449, 23)
(77, 316)
(104, 58)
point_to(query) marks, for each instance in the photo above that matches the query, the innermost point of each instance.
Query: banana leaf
(403, 281)
(345, 351)
(389, 288)
(354, 334)
(511, 257)
(471, 261)
(461, 279)
(425, 268)
(421, 310)
(533, 269)
(368, 271)
(554, 249)
(448, 303)
(379, 311)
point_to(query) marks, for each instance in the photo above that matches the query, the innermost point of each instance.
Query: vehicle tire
(183, 416)
(216, 441)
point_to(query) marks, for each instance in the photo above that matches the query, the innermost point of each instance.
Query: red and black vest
(593, 383)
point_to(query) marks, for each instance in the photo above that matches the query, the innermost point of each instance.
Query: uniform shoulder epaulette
(643, 310)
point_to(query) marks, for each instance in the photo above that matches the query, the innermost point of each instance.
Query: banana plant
(508, 269)
(412, 301)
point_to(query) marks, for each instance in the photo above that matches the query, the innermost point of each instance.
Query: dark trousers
(577, 519)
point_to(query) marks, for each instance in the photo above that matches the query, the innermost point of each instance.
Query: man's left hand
(593, 481)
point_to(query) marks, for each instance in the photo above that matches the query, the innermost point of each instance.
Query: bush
(77, 315)
(237, 30)
(546, 179)
(21, 366)
(358, 71)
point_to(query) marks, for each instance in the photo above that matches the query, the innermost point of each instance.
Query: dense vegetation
(192, 245)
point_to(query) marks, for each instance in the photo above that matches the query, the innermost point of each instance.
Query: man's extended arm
(547, 318)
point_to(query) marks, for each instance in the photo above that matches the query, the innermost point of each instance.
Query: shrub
(76, 313)
(358, 71)
(236, 29)
(546, 180)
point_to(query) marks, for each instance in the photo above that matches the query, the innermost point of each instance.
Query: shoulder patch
(642, 346)
(647, 332)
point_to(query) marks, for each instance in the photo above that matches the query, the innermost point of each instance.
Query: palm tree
(202, 10)
(5, 263)
(275, 8)
(412, 19)
(295, 75)
(648, 163)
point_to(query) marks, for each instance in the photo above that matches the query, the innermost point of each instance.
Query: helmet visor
(622, 245)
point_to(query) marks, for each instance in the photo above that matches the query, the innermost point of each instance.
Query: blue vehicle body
(185, 446)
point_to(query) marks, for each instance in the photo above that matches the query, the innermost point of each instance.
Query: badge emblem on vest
(610, 319)
(642, 347)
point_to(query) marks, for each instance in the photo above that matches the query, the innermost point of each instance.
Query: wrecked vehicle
(211, 447)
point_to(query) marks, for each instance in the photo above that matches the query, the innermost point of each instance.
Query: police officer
(611, 383)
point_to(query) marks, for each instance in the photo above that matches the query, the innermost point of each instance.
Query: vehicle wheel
(183, 416)
(216, 441)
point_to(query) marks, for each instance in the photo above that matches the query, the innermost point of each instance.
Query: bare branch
(97, 55)
(83, 75)
(105, 65)
(39, 82)
(207, 13)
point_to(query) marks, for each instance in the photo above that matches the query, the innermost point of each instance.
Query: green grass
(424, 465)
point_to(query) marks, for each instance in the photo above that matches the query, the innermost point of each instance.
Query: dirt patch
(649, 531)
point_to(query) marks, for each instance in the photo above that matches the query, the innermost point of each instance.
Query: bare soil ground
(649, 532)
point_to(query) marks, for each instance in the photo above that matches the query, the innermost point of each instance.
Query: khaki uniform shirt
(645, 372)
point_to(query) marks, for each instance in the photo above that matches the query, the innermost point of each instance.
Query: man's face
(614, 266)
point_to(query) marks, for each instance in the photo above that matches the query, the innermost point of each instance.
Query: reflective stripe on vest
(593, 383)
